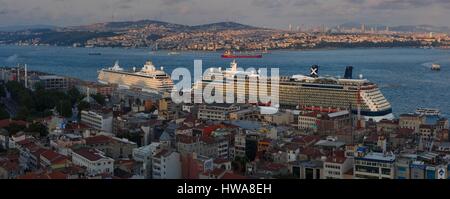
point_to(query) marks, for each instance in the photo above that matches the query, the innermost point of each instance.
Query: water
(403, 74)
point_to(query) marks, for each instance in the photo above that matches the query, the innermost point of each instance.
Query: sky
(263, 13)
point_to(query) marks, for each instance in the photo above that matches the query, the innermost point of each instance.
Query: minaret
(18, 73)
(26, 77)
(88, 98)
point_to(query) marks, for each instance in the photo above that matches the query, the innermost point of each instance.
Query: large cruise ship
(148, 79)
(315, 93)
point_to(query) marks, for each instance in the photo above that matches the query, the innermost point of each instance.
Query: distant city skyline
(262, 13)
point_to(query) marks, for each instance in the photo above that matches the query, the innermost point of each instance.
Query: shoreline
(221, 51)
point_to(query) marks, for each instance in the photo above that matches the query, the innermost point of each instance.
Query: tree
(14, 128)
(74, 95)
(83, 105)
(3, 113)
(64, 108)
(37, 128)
(2, 91)
(23, 113)
(99, 98)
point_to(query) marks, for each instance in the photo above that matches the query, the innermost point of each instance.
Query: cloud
(269, 13)
(173, 2)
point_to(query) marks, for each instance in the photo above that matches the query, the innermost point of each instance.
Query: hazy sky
(267, 13)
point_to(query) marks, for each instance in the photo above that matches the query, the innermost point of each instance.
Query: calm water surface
(403, 75)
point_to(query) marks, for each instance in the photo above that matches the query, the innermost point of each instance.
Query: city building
(101, 120)
(94, 161)
(144, 155)
(51, 82)
(337, 165)
(220, 112)
(373, 165)
(166, 165)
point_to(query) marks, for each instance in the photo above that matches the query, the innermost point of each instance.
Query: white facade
(336, 169)
(94, 161)
(99, 121)
(145, 155)
(375, 166)
(216, 112)
(167, 165)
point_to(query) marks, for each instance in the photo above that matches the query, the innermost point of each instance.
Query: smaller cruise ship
(148, 79)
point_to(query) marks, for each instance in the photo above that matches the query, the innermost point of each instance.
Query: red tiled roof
(100, 139)
(162, 153)
(273, 166)
(25, 142)
(405, 131)
(89, 154)
(185, 139)
(6, 122)
(217, 171)
(311, 152)
(43, 176)
(207, 139)
(338, 157)
(306, 139)
(9, 165)
(53, 157)
(220, 160)
(78, 126)
(233, 176)
(38, 151)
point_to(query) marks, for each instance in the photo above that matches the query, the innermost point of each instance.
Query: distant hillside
(171, 27)
(223, 26)
(22, 28)
(150, 31)
(126, 25)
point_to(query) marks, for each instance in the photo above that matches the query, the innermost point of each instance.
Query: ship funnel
(314, 72)
(348, 72)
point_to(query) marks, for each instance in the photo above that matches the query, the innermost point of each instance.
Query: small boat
(435, 67)
(95, 54)
(173, 53)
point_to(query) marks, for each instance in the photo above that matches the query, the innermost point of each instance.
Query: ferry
(436, 67)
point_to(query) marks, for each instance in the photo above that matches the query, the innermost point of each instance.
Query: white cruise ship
(314, 93)
(148, 79)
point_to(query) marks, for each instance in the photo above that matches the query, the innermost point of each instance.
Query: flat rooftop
(388, 157)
